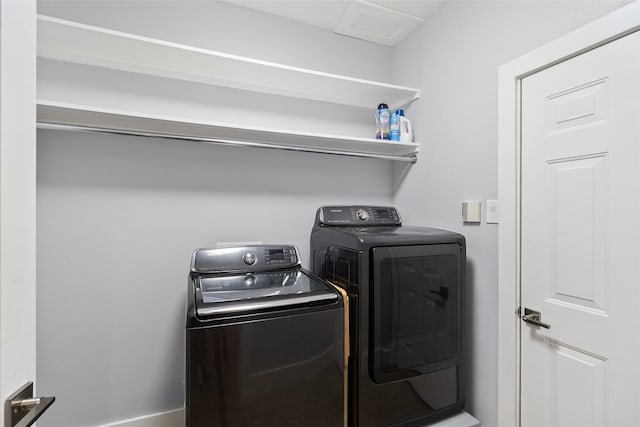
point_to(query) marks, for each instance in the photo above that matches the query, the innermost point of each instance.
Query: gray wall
(454, 59)
(118, 217)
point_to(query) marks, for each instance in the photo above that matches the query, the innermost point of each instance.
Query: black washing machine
(405, 292)
(265, 341)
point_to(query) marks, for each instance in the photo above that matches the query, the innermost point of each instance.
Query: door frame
(615, 25)
(17, 196)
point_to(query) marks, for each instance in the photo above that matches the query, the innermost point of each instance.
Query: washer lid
(255, 292)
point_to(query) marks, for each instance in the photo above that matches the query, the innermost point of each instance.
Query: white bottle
(406, 131)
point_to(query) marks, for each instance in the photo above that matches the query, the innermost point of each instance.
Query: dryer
(405, 289)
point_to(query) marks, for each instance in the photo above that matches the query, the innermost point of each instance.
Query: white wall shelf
(89, 45)
(75, 117)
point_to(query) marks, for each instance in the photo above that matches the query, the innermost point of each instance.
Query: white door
(17, 196)
(580, 265)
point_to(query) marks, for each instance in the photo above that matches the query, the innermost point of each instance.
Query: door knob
(21, 409)
(534, 317)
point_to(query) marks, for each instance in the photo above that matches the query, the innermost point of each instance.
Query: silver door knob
(534, 318)
(22, 409)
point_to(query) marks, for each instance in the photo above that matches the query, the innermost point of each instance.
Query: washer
(405, 293)
(265, 341)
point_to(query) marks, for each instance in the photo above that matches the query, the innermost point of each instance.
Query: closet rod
(75, 128)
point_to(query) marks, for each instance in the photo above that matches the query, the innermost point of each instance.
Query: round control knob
(362, 215)
(249, 281)
(249, 258)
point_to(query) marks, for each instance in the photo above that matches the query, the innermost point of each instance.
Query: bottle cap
(400, 112)
(383, 105)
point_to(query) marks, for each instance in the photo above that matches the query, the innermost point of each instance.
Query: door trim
(17, 196)
(615, 25)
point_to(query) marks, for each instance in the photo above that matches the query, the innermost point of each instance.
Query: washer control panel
(244, 258)
(358, 215)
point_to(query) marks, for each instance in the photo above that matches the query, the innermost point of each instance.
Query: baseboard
(174, 418)
(463, 419)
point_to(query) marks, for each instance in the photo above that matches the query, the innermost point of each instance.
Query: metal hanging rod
(75, 128)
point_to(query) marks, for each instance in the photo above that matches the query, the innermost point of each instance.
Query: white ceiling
(380, 21)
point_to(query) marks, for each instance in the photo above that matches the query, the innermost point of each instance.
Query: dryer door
(416, 310)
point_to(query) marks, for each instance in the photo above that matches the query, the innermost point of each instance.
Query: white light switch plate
(493, 212)
(471, 212)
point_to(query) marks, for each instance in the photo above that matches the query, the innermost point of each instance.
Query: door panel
(579, 236)
(578, 212)
(578, 107)
(584, 406)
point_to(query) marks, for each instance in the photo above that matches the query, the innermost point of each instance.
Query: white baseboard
(174, 418)
(463, 419)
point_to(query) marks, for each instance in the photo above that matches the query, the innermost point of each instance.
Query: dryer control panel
(244, 259)
(358, 216)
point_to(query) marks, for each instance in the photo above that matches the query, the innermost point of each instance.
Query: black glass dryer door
(416, 310)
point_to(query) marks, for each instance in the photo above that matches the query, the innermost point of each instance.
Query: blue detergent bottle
(404, 125)
(394, 126)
